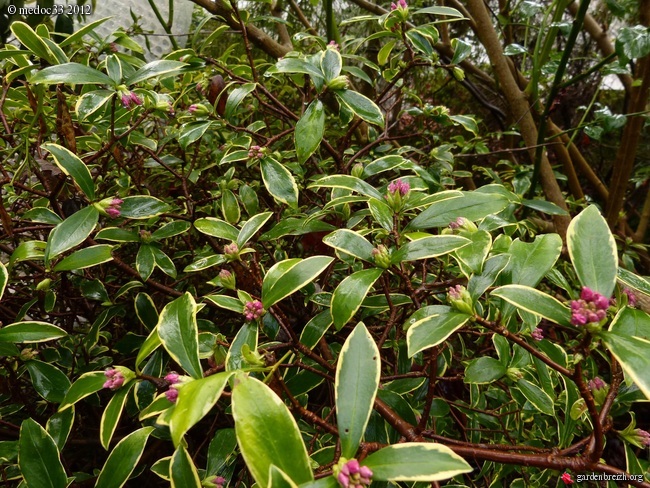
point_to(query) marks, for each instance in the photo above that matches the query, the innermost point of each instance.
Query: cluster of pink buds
(113, 209)
(114, 379)
(644, 437)
(333, 45)
(255, 152)
(253, 310)
(216, 482)
(351, 475)
(130, 98)
(401, 4)
(597, 384)
(537, 334)
(399, 186)
(567, 479)
(591, 308)
(231, 251)
(172, 393)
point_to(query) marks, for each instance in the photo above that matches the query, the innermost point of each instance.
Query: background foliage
(410, 235)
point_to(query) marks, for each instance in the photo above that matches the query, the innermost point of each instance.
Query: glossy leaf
(31, 331)
(123, 459)
(361, 105)
(115, 234)
(348, 182)
(287, 277)
(247, 336)
(530, 261)
(484, 370)
(350, 242)
(593, 251)
(535, 302)
(294, 65)
(357, 380)
(153, 69)
(350, 293)
(74, 73)
(216, 228)
(195, 400)
(39, 458)
(182, 471)
(86, 258)
(192, 132)
(142, 207)
(416, 461)
(235, 98)
(279, 182)
(85, 385)
(112, 414)
(48, 381)
(428, 247)
(309, 130)
(382, 213)
(145, 261)
(267, 433)
(179, 335)
(251, 227)
(71, 232)
(72, 166)
(478, 284)
(471, 256)
(431, 331)
(59, 426)
(537, 397)
(222, 447)
(171, 229)
(471, 205)
(32, 41)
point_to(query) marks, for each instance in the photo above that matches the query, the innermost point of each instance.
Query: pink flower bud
(172, 394)
(113, 212)
(172, 378)
(126, 100)
(192, 108)
(399, 186)
(253, 310)
(136, 99)
(596, 384)
(537, 334)
(587, 294)
(601, 302)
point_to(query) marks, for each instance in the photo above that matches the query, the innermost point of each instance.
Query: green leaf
(357, 380)
(123, 459)
(192, 132)
(530, 261)
(431, 331)
(4, 279)
(535, 302)
(39, 458)
(142, 207)
(537, 397)
(59, 426)
(74, 73)
(279, 479)
(632, 42)
(229, 303)
(484, 370)
(71, 232)
(115, 234)
(153, 69)
(461, 49)
(279, 182)
(178, 332)
(222, 447)
(331, 64)
(182, 471)
(631, 280)
(72, 166)
(470, 205)
(316, 328)
(545, 207)
(471, 256)
(309, 130)
(362, 106)
(247, 336)
(593, 251)
(293, 65)
(163, 262)
(251, 227)
(632, 354)
(171, 229)
(216, 228)
(145, 261)
(350, 242)
(448, 11)
(31, 331)
(428, 247)
(90, 102)
(86, 258)
(289, 276)
(48, 381)
(349, 182)
(235, 97)
(43, 215)
(416, 461)
(112, 413)
(384, 52)
(86, 384)
(267, 433)
(32, 41)
(27, 250)
(350, 293)
(195, 400)
(493, 267)
(230, 207)
(382, 213)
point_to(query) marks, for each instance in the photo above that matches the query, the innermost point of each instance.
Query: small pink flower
(333, 45)
(114, 380)
(219, 481)
(455, 224)
(172, 378)
(399, 186)
(456, 292)
(537, 334)
(596, 384)
(403, 4)
(231, 248)
(126, 100)
(253, 310)
(192, 108)
(172, 394)
(591, 308)
(113, 212)
(393, 6)
(644, 437)
(567, 479)
(631, 297)
(351, 475)
(136, 99)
